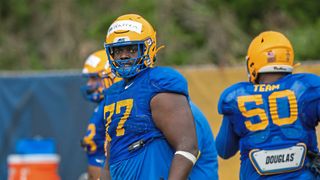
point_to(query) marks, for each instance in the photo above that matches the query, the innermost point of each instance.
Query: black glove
(314, 163)
(83, 145)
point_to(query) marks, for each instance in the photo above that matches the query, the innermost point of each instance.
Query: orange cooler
(33, 167)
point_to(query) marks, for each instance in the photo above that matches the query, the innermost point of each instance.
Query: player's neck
(269, 78)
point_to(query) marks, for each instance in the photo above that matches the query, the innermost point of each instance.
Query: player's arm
(227, 142)
(89, 144)
(93, 172)
(316, 83)
(95, 136)
(318, 105)
(105, 174)
(172, 115)
(311, 106)
(319, 111)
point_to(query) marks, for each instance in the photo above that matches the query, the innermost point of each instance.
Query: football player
(271, 119)
(151, 130)
(98, 74)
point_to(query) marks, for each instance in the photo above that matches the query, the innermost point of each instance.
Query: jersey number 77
(116, 108)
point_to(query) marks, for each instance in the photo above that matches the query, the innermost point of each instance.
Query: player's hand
(314, 163)
(83, 145)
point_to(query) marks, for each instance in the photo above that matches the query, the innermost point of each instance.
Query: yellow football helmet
(97, 67)
(269, 52)
(126, 30)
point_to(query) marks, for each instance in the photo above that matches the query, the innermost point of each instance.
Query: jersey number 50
(273, 109)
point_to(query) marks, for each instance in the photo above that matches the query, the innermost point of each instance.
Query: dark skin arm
(106, 170)
(94, 172)
(172, 115)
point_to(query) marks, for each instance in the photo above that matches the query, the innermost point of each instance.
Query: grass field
(205, 86)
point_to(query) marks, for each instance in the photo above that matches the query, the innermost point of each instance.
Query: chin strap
(158, 49)
(161, 47)
(296, 65)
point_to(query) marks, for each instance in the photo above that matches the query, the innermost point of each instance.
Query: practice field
(206, 84)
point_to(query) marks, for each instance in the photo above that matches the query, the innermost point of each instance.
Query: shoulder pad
(226, 104)
(164, 79)
(312, 79)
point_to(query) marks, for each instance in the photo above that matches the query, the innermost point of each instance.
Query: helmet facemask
(93, 92)
(130, 66)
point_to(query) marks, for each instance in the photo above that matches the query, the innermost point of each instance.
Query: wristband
(187, 155)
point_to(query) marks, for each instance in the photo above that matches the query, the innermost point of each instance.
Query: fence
(50, 105)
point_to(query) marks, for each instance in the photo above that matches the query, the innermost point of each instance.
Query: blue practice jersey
(272, 124)
(138, 149)
(95, 138)
(206, 166)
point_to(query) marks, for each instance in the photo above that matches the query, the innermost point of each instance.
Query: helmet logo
(271, 57)
(93, 61)
(125, 25)
(279, 68)
(121, 39)
(288, 55)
